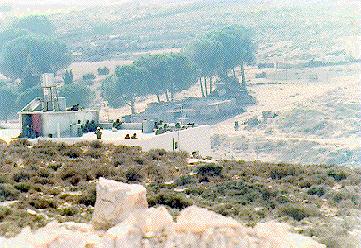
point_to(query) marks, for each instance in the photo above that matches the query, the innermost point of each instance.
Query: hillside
(318, 120)
(302, 31)
(51, 181)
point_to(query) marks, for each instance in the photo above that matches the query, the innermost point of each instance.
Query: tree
(207, 55)
(27, 57)
(154, 74)
(220, 51)
(77, 93)
(125, 86)
(179, 73)
(89, 77)
(68, 77)
(237, 47)
(166, 73)
(36, 24)
(7, 108)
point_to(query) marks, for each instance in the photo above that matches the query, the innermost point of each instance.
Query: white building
(192, 139)
(49, 116)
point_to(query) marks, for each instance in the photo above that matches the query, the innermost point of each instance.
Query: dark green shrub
(8, 192)
(67, 173)
(185, 179)
(89, 77)
(210, 170)
(176, 201)
(41, 203)
(133, 174)
(281, 171)
(297, 212)
(4, 211)
(156, 154)
(319, 191)
(103, 71)
(89, 197)
(55, 167)
(71, 211)
(22, 187)
(71, 152)
(337, 175)
(21, 176)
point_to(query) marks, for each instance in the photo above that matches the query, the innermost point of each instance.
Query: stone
(123, 208)
(115, 201)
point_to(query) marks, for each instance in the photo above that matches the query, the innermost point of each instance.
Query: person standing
(99, 133)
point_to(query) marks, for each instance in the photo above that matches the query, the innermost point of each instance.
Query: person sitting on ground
(134, 136)
(127, 136)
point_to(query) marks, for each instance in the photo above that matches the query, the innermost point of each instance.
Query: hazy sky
(64, 2)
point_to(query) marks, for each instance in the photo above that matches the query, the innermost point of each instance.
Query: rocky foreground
(122, 219)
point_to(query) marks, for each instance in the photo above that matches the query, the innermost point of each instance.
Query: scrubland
(53, 181)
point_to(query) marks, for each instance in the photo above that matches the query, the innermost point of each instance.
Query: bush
(319, 191)
(89, 77)
(89, 197)
(22, 187)
(42, 203)
(103, 71)
(8, 192)
(70, 211)
(72, 152)
(133, 174)
(337, 175)
(96, 144)
(55, 167)
(297, 212)
(4, 211)
(282, 171)
(210, 170)
(185, 179)
(21, 176)
(176, 201)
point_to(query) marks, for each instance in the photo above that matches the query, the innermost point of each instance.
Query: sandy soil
(318, 120)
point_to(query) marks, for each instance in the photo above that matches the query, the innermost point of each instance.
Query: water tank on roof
(48, 80)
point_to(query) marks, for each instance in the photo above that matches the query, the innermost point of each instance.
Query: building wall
(62, 121)
(197, 139)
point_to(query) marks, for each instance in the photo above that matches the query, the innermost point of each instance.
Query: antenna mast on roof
(51, 101)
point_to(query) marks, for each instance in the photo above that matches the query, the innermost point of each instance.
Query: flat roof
(56, 112)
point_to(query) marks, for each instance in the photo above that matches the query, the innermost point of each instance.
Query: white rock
(197, 219)
(123, 207)
(115, 201)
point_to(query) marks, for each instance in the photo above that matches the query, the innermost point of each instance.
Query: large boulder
(115, 201)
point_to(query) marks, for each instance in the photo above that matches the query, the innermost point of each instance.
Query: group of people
(134, 136)
(89, 126)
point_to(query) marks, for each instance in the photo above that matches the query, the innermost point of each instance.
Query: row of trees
(161, 75)
(218, 53)
(215, 55)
